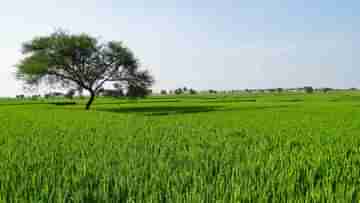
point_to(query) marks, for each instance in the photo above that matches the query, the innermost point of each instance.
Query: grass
(262, 148)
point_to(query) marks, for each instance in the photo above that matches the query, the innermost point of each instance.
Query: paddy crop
(273, 148)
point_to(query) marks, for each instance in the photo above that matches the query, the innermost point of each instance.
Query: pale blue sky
(202, 44)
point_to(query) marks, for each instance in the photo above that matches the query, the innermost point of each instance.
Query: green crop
(254, 148)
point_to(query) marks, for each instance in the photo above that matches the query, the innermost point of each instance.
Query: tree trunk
(92, 97)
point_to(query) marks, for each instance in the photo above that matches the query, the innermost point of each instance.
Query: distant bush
(326, 90)
(192, 91)
(35, 97)
(212, 91)
(163, 92)
(21, 96)
(308, 89)
(178, 91)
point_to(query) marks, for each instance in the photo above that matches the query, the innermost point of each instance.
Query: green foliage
(163, 92)
(179, 91)
(326, 90)
(80, 61)
(309, 89)
(192, 91)
(212, 91)
(183, 149)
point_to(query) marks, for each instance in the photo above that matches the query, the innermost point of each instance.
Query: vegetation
(163, 92)
(188, 148)
(192, 91)
(80, 61)
(308, 89)
(212, 91)
(179, 91)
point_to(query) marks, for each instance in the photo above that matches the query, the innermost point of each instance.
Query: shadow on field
(230, 101)
(291, 100)
(175, 110)
(63, 103)
(38, 103)
(162, 110)
(135, 102)
(22, 103)
(254, 108)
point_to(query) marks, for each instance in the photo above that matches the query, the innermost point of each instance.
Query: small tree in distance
(192, 91)
(326, 90)
(178, 91)
(309, 89)
(80, 61)
(163, 92)
(212, 91)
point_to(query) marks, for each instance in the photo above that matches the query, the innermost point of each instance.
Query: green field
(245, 148)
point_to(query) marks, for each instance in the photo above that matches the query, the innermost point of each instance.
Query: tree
(80, 60)
(272, 90)
(35, 97)
(80, 91)
(21, 96)
(178, 91)
(326, 90)
(212, 91)
(309, 89)
(192, 91)
(163, 92)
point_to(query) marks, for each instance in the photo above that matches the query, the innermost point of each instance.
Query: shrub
(192, 91)
(178, 91)
(163, 92)
(308, 89)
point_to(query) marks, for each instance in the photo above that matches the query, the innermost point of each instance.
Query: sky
(203, 44)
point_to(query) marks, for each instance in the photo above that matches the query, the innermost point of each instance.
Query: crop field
(202, 148)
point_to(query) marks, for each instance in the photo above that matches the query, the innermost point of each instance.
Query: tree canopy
(80, 61)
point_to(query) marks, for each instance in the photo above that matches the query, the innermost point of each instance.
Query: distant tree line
(179, 91)
(305, 89)
(119, 91)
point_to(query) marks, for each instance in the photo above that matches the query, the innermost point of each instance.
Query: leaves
(80, 60)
